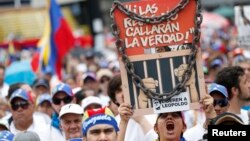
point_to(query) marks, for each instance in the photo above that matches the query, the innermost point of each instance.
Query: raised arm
(125, 111)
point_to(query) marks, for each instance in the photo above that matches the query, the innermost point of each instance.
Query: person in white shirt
(4, 87)
(138, 127)
(71, 116)
(22, 109)
(168, 126)
(218, 98)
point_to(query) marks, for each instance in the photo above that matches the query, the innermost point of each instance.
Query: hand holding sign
(142, 98)
(125, 111)
(207, 105)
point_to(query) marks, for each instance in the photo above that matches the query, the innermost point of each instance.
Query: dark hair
(113, 86)
(2, 67)
(79, 96)
(13, 88)
(229, 77)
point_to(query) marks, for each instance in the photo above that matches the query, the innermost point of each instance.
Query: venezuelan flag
(55, 43)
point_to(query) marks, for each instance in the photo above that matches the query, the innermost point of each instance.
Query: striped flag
(56, 42)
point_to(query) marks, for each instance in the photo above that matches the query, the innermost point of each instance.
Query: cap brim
(216, 90)
(18, 97)
(46, 86)
(227, 119)
(75, 112)
(5, 126)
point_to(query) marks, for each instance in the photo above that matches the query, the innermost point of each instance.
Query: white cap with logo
(71, 108)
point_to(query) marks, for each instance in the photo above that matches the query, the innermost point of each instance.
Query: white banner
(242, 22)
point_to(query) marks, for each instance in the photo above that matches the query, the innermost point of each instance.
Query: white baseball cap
(91, 100)
(71, 108)
(4, 123)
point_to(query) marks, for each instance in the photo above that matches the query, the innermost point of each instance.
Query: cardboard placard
(242, 22)
(165, 69)
(159, 54)
(139, 36)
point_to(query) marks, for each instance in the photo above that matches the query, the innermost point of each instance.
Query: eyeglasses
(23, 104)
(221, 102)
(65, 100)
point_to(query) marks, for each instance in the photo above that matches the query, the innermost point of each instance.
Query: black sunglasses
(65, 100)
(23, 104)
(221, 102)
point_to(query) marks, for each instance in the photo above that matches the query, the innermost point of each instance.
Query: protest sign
(155, 47)
(139, 36)
(242, 22)
(165, 70)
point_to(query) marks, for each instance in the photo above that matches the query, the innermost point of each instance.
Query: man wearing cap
(104, 76)
(216, 103)
(61, 95)
(41, 86)
(91, 102)
(100, 124)
(71, 116)
(44, 104)
(22, 109)
(90, 82)
(220, 96)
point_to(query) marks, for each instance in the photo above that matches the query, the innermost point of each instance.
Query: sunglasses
(65, 100)
(23, 104)
(221, 102)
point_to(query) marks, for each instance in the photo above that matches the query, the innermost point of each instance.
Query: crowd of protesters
(88, 104)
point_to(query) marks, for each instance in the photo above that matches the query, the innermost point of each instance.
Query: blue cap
(41, 82)
(6, 136)
(44, 97)
(21, 93)
(89, 75)
(48, 70)
(75, 139)
(62, 87)
(217, 87)
(216, 62)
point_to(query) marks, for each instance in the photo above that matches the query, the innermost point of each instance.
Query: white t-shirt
(134, 131)
(4, 91)
(244, 116)
(44, 131)
(41, 117)
(193, 117)
(195, 133)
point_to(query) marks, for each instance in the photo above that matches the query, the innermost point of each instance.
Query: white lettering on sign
(143, 10)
